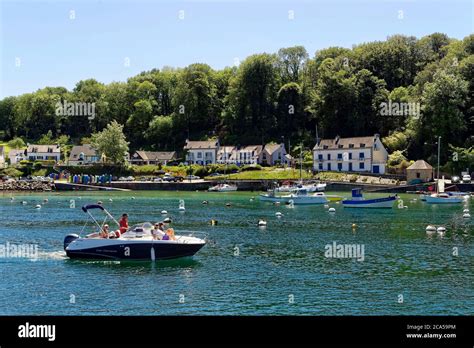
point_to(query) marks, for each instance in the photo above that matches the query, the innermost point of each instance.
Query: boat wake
(50, 255)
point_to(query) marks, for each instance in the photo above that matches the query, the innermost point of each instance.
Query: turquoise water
(244, 270)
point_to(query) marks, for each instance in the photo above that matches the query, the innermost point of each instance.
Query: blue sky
(54, 50)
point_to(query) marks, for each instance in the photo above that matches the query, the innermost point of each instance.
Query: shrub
(251, 167)
(13, 172)
(201, 171)
(37, 165)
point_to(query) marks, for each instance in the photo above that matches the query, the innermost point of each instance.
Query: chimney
(337, 139)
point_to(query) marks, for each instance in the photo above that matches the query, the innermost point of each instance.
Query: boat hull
(377, 203)
(439, 200)
(109, 249)
(297, 200)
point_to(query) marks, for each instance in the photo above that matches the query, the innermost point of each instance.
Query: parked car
(455, 179)
(215, 174)
(192, 177)
(158, 179)
(466, 178)
(170, 178)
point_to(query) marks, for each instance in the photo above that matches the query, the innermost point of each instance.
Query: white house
(202, 152)
(83, 155)
(227, 155)
(17, 155)
(43, 152)
(273, 154)
(359, 154)
(251, 154)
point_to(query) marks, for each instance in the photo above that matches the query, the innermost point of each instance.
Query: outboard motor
(69, 239)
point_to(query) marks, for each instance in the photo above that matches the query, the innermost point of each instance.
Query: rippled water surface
(244, 270)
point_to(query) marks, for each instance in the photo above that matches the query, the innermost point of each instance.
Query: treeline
(338, 91)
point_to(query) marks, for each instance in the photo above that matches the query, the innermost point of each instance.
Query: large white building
(202, 152)
(359, 154)
(43, 152)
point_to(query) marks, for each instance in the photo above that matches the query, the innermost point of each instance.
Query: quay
(242, 185)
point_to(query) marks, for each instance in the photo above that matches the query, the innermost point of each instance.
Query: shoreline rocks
(21, 185)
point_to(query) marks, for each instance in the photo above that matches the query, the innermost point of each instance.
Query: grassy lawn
(265, 173)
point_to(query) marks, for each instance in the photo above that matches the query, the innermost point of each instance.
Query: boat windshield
(144, 228)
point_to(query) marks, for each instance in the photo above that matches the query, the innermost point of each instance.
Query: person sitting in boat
(123, 223)
(169, 234)
(105, 231)
(158, 231)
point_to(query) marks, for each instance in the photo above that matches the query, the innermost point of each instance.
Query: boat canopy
(356, 193)
(85, 208)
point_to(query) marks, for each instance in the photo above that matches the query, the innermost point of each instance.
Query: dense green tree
(251, 99)
(291, 62)
(160, 133)
(442, 103)
(111, 143)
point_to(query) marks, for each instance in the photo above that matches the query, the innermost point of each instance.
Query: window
(339, 166)
(351, 146)
(340, 146)
(350, 167)
(320, 157)
(320, 166)
(329, 156)
(362, 145)
(199, 155)
(417, 175)
(329, 166)
(339, 156)
(361, 165)
(361, 155)
(350, 155)
(375, 147)
(325, 147)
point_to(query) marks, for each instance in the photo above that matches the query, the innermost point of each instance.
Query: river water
(282, 269)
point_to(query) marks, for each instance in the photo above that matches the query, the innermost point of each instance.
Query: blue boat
(358, 201)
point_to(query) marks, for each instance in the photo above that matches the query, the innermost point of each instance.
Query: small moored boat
(443, 198)
(298, 197)
(223, 188)
(358, 201)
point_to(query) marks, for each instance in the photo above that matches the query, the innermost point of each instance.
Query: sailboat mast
(301, 162)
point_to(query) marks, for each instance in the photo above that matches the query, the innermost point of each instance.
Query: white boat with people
(223, 188)
(141, 242)
(358, 201)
